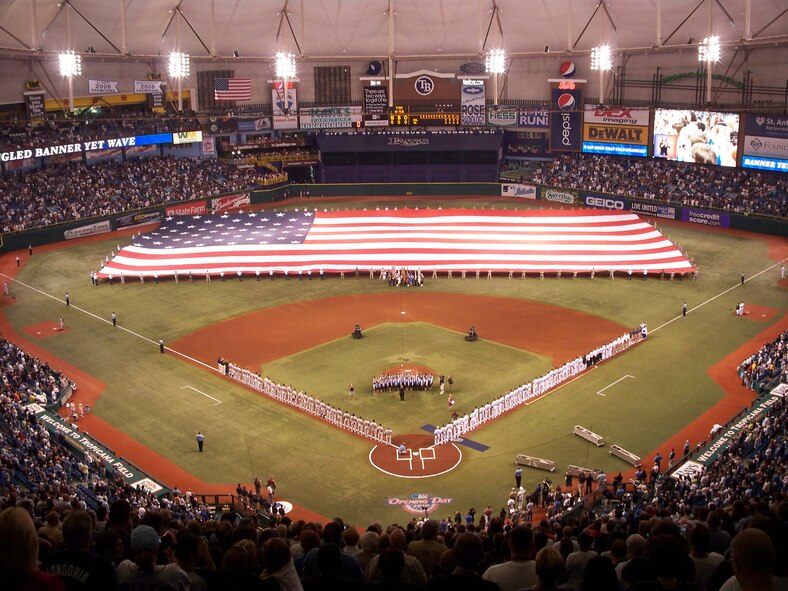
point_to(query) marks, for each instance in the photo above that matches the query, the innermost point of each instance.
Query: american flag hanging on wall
(232, 89)
(443, 239)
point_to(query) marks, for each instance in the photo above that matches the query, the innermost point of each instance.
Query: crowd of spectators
(768, 365)
(73, 191)
(717, 187)
(68, 520)
(26, 377)
(53, 132)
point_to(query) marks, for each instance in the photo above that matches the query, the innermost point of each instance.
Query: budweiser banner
(230, 202)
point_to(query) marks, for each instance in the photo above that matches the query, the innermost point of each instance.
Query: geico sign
(603, 202)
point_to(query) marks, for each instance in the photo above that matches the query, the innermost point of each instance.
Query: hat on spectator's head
(144, 537)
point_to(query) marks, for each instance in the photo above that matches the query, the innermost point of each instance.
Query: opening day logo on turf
(420, 503)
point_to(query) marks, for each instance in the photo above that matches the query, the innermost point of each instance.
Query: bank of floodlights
(180, 65)
(70, 64)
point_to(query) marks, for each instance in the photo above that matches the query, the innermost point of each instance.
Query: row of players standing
(402, 276)
(406, 379)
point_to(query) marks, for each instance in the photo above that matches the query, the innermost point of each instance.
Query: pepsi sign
(566, 122)
(567, 69)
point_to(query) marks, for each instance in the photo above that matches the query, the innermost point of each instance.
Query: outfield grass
(327, 471)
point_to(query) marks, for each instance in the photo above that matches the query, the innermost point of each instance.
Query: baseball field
(148, 407)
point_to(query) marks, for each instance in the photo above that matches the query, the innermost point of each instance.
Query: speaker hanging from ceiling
(374, 68)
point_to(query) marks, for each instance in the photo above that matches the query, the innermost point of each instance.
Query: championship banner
(536, 118)
(619, 131)
(376, 104)
(147, 86)
(765, 142)
(472, 103)
(330, 118)
(566, 119)
(503, 116)
(103, 87)
(34, 105)
(283, 103)
(230, 202)
(195, 208)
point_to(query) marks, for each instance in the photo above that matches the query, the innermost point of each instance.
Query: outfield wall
(559, 196)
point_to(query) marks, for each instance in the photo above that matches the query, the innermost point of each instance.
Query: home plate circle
(421, 458)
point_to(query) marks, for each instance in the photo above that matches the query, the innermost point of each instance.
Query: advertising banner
(376, 104)
(187, 137)
(138, 219)
(283, 103)
(103, 87)
(536, 118)
(566, 121)
(34, 105)
(502, 116)
(707, 217)
(256, 124)
(765, 142)
(601, 201)
(285, 121)
(89, 230)
(148, 86)
(619, 131)
(655, 210)
(330, 118)
(472, 102)
(208, 146)
(516, 190)
(194, 208)
(705, 137)
(556, 196)
(230, 202)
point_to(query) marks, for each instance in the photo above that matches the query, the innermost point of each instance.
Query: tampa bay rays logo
(420, 503)
(424, 85)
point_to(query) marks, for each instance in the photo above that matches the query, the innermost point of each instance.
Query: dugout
(419, 156)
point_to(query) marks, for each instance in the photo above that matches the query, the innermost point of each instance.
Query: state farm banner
(472, 103)
(147, 86)
(103, 87)
(283, 103)
(619, 131)
(194, 208)
(566, 121)
(330, 117)
(230, 202)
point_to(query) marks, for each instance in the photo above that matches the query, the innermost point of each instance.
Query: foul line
(105, 321)
(613, 384)
(203, 393)
(722, 293)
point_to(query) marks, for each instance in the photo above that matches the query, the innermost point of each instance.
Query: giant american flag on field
(443, 239)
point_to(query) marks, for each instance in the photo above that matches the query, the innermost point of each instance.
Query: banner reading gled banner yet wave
(765, 142)
(620, 131)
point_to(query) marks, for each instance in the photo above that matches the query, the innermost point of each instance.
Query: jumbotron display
(705, 137)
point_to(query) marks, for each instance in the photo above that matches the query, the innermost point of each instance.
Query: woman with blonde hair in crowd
(19, 555)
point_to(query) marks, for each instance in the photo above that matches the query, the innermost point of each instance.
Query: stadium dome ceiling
(333, 30)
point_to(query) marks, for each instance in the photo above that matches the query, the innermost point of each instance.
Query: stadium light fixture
(601, 61)
(709, 50)
(709, 53)
(495, 63)
(180, 65)
(70, 64)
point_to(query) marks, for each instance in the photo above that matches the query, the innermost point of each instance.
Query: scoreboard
(400, 118)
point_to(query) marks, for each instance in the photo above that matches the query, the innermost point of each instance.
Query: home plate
(415, 453)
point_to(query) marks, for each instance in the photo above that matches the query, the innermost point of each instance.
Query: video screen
(704, 137)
